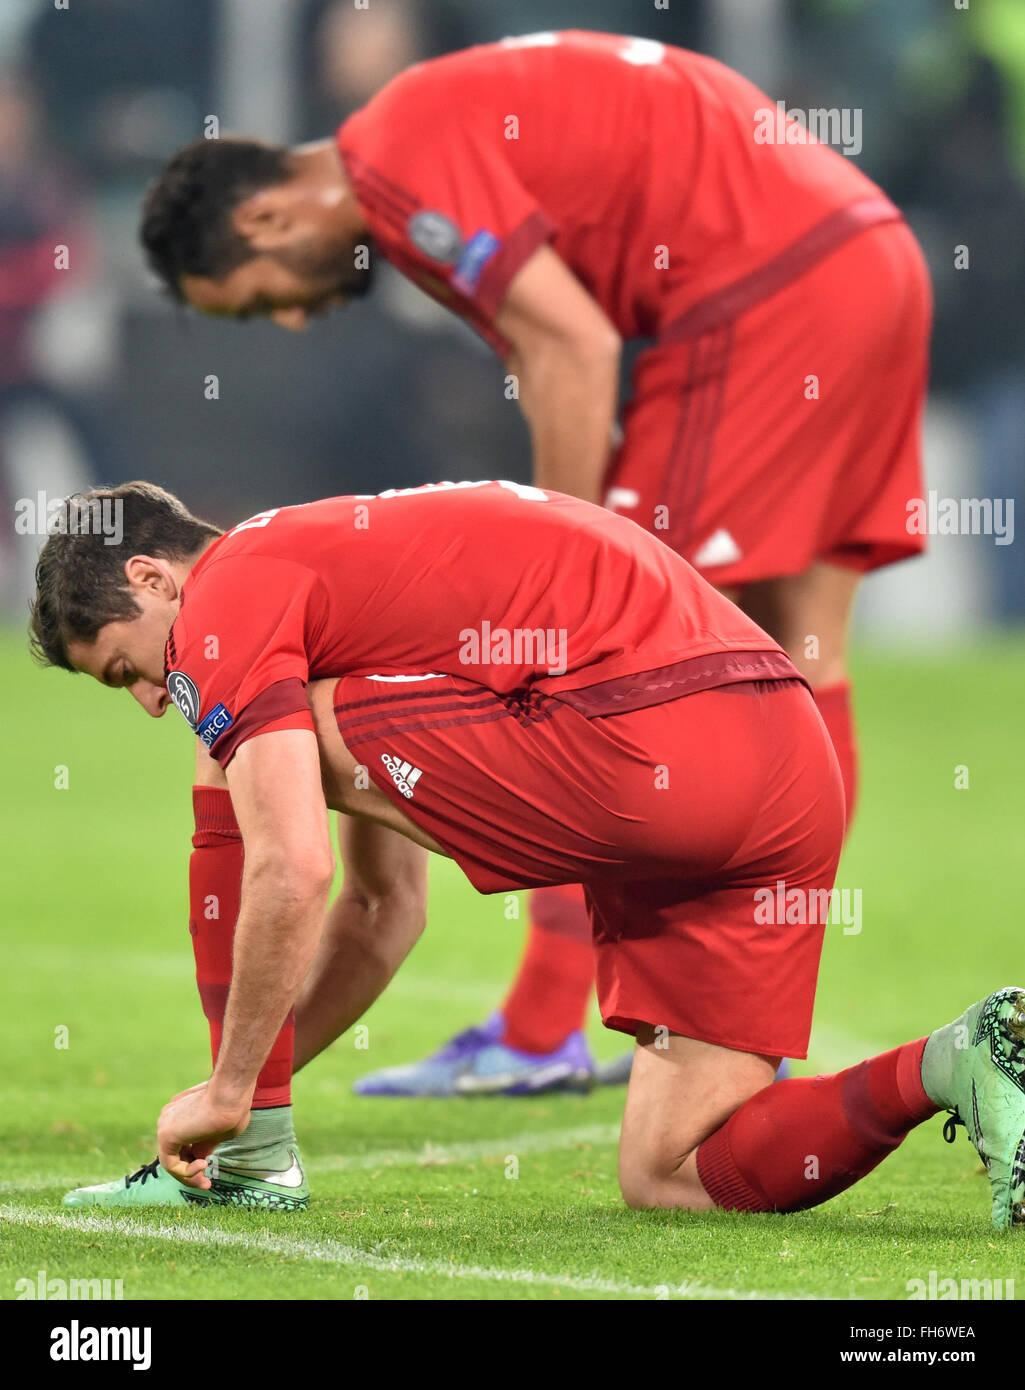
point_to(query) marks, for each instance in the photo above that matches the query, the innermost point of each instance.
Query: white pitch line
(436, 1155)
(333, 1252)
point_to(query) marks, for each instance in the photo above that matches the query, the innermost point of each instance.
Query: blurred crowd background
(101, 380)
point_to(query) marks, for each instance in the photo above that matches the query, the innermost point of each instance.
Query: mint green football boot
(281, 1187)
(975, 1067)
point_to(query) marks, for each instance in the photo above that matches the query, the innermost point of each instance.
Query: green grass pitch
(475, 1199)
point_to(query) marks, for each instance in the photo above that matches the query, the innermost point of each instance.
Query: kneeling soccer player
(545, 693)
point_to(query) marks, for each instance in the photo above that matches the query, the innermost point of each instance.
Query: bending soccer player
(542, 691)
(564, 193)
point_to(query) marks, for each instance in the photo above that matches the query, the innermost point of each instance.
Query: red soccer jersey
(658, 175)
(508, 586)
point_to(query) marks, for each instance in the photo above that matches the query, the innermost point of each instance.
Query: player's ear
(152, 574)
(265, 219)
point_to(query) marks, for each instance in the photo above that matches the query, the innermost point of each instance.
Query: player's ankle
(268, 1132)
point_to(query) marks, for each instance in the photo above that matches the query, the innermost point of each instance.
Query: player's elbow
(607, 343)
(570, 370)
(589, 345)
(594, 347)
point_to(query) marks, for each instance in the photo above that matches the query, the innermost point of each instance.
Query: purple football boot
(476, 1063)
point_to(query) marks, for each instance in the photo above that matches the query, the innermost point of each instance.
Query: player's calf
(681, 1091)
(795, 1145)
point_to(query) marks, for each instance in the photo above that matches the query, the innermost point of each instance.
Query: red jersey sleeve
(236, 659)
(442, 196)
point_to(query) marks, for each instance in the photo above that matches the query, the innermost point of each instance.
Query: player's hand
(190, 1127)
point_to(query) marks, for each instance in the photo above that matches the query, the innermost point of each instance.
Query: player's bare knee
(654, 1171)
(648, 1182)
(637, 1196)
(636, 1183)
(639, 1186)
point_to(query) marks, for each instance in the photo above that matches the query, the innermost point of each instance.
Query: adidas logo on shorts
(404, 775)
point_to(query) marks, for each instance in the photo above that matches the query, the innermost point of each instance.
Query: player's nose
(153, 698)
(295, 320)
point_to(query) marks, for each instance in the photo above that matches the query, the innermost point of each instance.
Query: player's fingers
(191, 1171)
(196, 1174)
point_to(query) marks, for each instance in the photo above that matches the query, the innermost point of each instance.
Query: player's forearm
(363, 944)
(569, 398)
(279, 926)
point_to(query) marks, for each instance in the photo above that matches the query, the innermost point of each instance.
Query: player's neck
(181, 569)
(318, 166)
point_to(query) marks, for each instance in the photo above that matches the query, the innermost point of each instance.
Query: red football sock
(552, 990)
(834, 702)
(215, 890)
(798, 1143)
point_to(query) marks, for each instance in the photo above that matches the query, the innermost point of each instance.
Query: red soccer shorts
(773, 425)
(682, 820)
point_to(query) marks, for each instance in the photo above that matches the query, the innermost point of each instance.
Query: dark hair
(80, 576)
(186, 226)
